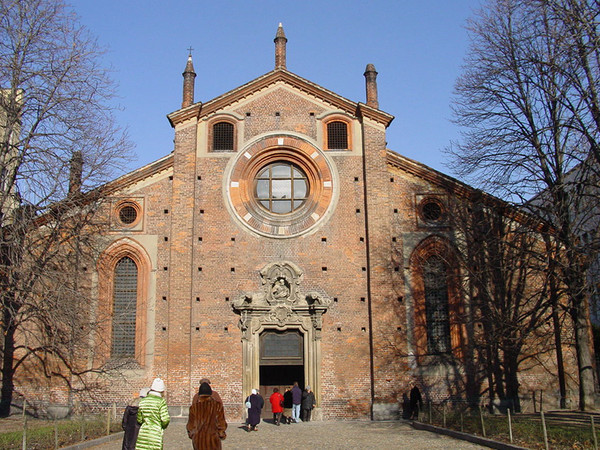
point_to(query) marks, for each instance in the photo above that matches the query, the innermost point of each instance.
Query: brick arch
(105, 266)
(441, 247)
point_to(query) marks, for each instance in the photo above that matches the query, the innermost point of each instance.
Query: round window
(281, 187)
(128, 214)
(432, 211)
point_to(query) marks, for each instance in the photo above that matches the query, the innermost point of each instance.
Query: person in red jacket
(276, 400)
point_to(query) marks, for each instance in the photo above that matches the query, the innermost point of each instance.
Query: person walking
(296, 402)
(153, 415)
(214, 394)
(206, 421)
(276, 400)
(130, 425)
(256, 405)
(308, 403)
(416, 402)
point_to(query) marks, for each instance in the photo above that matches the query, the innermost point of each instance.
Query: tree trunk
(511, 369)
(560, 366)
(554, 300)
(7, 367)
(584, 352)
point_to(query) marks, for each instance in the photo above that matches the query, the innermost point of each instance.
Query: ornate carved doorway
(281, 331)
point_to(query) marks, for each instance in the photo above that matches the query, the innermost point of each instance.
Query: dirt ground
(15, 423)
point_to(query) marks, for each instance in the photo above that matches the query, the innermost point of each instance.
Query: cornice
(137, 175)
(181, 115)
(279, 75)
(364, 110)
(463, 190)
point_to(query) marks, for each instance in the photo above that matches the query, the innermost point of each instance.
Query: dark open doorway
(281, 362)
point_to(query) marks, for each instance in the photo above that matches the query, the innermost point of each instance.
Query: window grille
(124, 308)
(337, 135)
(223, 137)
(436, 305)
(127, 214)
(432, 211)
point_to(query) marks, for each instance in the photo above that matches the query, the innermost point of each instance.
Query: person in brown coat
(214, 394)
(206, 422)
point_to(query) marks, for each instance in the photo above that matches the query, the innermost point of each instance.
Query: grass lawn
(45, 434)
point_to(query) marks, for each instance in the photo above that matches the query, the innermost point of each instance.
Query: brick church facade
(281, 241)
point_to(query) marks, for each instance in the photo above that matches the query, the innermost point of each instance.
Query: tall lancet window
(435, 280)
(124, 308)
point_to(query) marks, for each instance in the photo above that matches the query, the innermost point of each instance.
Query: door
(281, 362)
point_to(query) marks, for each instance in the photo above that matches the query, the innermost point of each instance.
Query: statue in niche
(280, 289)
(281, 282)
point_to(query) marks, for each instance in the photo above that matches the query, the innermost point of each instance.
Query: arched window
(337, 135)
(438, 305)
(125, 297)
(435, 284)
(223, 137)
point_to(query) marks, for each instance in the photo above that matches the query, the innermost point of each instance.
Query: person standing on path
(153, 415)
(296, 402)
(130, 425)
(308, 403)
(206, 422)
(256, 405)
(287, 406)
(276, 400)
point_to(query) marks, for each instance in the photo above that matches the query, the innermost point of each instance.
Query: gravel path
(316, 435)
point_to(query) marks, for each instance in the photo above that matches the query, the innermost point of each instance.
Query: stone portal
(281, 328)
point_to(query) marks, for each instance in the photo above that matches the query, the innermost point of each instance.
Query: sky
(417, 47)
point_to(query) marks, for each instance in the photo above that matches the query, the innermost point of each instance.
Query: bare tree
(527, 101)
(57, 138)
(506, 278)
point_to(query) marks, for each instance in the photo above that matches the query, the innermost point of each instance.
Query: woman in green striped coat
(153, 416)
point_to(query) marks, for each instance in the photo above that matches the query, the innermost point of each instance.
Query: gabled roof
(463, 190)
(153, 168)
(279, 75)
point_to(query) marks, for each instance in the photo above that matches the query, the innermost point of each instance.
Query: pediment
(276, 79)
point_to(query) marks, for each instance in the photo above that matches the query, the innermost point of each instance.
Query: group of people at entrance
(145, 420)
(287, 408)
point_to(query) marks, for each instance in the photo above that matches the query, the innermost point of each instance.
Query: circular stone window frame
(128, 203)
(443, 211)
(320, 176)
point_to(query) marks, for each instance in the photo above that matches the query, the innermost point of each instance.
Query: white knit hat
(158, 385)
(254, 391)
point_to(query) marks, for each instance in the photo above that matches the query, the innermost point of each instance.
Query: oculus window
(281, 187)
(127, 214)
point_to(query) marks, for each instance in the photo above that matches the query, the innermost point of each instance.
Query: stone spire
(188, 82)
(371, 84)
(280, 41)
